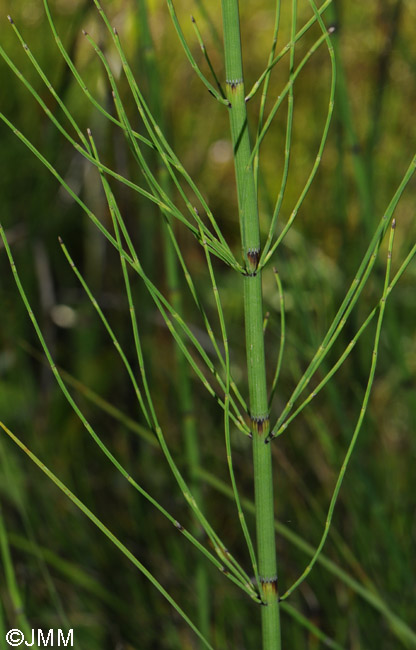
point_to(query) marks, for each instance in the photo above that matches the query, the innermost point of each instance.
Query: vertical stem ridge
(253, 312)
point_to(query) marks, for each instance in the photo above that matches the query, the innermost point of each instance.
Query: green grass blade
(16, 498)
(308, 625)
(11, 583)
(343, 102)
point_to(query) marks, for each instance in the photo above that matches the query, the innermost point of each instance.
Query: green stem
(253, 309)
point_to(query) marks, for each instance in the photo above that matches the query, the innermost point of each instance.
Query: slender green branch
(266, 86)
(399, 627)
(164, 306)
(116, 217)
(220, 549)
(227, 420)
(64, 184)
(204, 315)
(160, 144)
(288, 140)
(268, 249)
(184, 385)
(79, 79)
(71, 401)
(359, 421)
(218, 247)
(356, 287)
(98, 523)
(190, 58)
(207, 59)
(46, 81)
(285, 50)
(159, 140)
(348, 349)
(282, 336)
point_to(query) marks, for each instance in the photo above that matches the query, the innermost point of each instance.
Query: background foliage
(66, 571)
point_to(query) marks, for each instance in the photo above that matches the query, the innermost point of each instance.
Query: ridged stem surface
(253, 310)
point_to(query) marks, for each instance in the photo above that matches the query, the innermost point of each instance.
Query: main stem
(253, 310)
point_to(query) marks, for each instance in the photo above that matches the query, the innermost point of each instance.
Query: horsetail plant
(182, 205)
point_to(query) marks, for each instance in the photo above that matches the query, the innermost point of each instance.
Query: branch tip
(10, 19)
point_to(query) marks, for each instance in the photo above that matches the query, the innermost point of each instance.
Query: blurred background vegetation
(66, 572)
